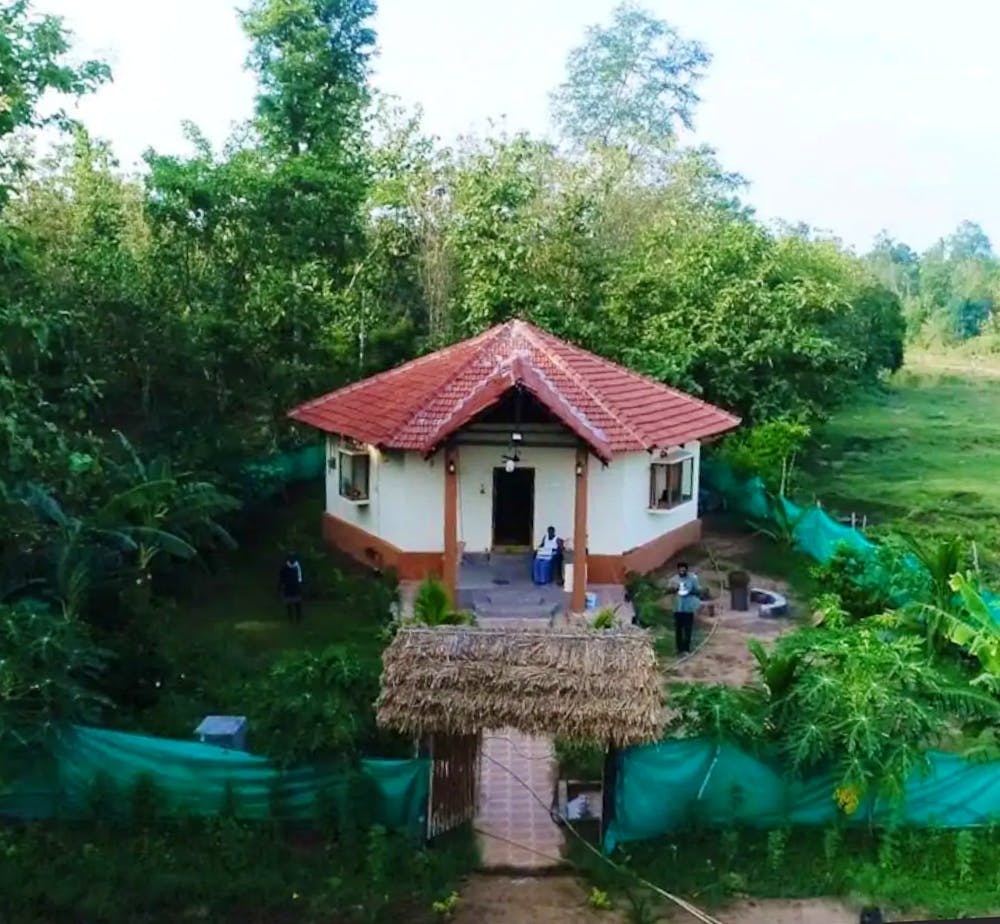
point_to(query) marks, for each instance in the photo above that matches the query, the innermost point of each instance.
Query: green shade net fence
(675, 784)
(264, 479)
(195, 779)
(664, 787)
(816, 533)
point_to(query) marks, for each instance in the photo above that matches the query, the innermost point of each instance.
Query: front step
(518, 612)
(518, 603)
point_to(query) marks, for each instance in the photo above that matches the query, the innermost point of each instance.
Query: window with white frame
(355, 471)
(671, 481)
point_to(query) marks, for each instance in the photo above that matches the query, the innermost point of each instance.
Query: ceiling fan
(511, 458)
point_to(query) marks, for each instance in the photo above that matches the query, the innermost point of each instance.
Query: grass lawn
(228, 624)
(239, 601)
(922, 455)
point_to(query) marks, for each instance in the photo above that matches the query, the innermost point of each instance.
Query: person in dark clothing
(688, 590)
(290, 585)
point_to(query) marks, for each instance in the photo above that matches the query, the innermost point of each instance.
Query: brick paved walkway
(509, 811)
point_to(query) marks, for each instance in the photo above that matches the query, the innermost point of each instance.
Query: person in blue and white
(551, 548)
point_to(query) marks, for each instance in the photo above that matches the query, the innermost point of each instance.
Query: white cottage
(481, 446)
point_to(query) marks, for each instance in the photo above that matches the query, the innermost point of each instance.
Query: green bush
(870, 583)
(314, 704)
(919, 873)
(432, 606)
(579, 760)
(220, 870)
(49, 675)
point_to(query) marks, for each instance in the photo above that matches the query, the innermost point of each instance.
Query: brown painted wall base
(611, 569)
(377, 553)
(415, 566)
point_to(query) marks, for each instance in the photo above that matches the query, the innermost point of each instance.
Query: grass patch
(921, 455)
(919, 872)
(225, 871)
(224, 627)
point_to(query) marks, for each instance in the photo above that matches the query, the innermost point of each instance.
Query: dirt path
(563, 900)
(541, 900)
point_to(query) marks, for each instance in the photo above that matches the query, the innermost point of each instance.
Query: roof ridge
(632, 373)
(471, 342)
(540, 336)
(480, 341)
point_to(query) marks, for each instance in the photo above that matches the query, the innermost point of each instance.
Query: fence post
(609, 783)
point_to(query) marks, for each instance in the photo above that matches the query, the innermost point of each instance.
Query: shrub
(851, 576)
(49, 670)
(220, 870)
(898, 570)
(605, 619)
(315, 705)
(432, 606)
(579, 760)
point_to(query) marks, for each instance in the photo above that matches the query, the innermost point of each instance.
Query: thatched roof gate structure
(600, 686)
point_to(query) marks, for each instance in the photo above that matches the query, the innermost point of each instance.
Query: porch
(497, 588)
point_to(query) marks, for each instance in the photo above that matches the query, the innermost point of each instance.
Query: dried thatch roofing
(574, 683)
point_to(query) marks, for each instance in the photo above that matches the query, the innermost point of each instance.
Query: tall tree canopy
(33, 62)
(630, 84)
(949, 293)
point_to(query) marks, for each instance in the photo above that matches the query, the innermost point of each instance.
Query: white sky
(851, 115)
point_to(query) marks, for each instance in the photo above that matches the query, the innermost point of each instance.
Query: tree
(630, 84)
(768, 451)
(895, 264)
(32, 63)
(969, 242)
(310, 58)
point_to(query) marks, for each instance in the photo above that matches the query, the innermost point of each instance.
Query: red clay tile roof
(419, 404)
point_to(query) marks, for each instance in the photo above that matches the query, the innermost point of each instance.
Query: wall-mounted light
(451, 467)
(509, 466)
(331, 463)
(515, 437)
(579, 469)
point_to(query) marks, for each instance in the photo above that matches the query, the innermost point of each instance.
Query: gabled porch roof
(418, 405)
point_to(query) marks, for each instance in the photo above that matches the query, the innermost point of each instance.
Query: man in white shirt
(551, 548)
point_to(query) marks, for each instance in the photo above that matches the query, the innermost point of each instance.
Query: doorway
(513, 508)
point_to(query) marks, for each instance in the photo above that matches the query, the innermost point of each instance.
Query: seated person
(551, 547)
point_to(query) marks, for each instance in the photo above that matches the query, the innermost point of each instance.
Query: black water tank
(739, 591)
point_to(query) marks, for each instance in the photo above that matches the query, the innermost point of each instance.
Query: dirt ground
(563, 900)
(722, 656)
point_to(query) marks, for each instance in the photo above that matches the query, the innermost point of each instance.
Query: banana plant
(160, 513)
(781, 525)
(975, 625)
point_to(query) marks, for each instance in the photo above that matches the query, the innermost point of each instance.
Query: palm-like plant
(940, 559)
(970, 623)
(432, 606)
(161, 512)
(780, 524)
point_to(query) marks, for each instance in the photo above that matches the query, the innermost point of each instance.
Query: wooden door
(513, 508)
(454, 788)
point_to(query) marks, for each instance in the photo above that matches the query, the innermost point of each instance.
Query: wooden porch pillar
(450, 565)
(580, 533)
